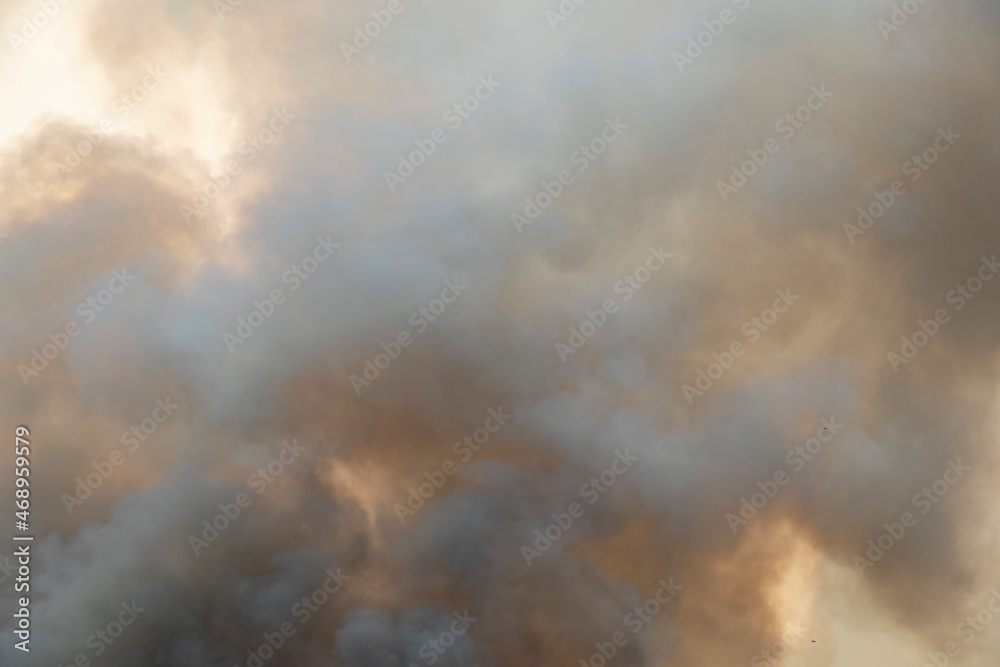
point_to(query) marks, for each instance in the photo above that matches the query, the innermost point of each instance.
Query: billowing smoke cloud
(504, 333)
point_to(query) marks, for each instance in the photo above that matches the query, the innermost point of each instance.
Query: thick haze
(329, 123)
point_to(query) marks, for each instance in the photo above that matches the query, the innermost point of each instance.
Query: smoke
(754, 379)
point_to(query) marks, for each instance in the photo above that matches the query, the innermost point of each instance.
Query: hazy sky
(521, 312)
